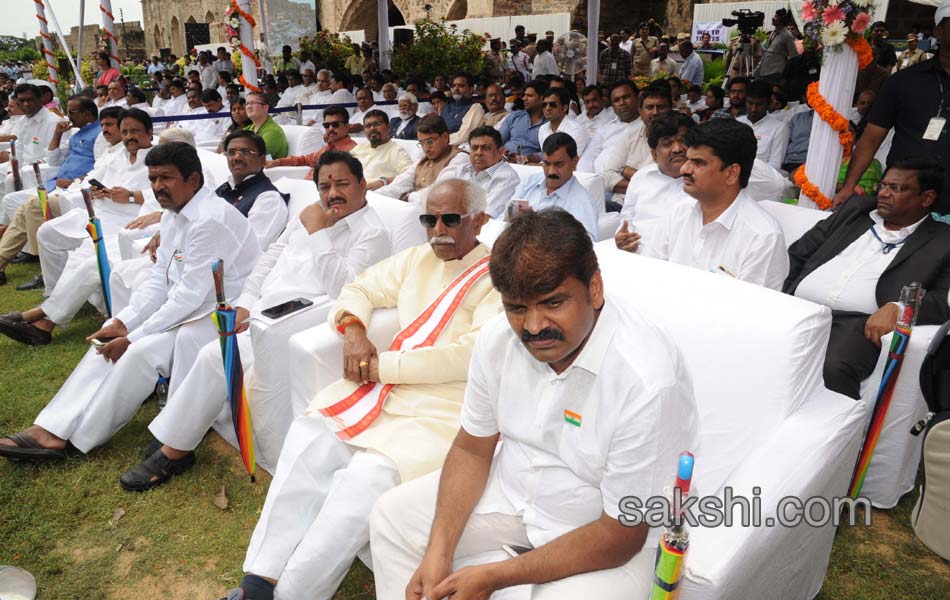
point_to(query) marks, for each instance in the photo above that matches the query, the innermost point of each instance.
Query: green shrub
(439, 50)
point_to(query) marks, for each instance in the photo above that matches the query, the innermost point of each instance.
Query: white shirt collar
(887, 235)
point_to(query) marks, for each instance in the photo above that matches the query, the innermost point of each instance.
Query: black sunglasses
(450, 220)
(550, 104)
(332, 124)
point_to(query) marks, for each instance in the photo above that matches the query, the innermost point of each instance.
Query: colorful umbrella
(15, 167)
(94, 227)
(671, 553)
(41, 192)
(224, 318)
(909, 303)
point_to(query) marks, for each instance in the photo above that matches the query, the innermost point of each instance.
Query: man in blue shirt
(520, 129)
(557, 187)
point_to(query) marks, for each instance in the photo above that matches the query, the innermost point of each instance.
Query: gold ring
(363, 363)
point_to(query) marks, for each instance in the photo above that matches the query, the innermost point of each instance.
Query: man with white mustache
(404, 126)
(326, 485)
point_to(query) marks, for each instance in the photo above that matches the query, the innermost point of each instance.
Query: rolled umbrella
(41, 192)
(224, 318)
(15, 167)
(671, 553)
(94, 227)
(909, 303)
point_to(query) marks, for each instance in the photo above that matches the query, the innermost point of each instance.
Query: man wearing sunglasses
(856, 262)
(556, 104)
(336, 137)
(443, 296)
(382, 159)
(556, 186)
(440, 160)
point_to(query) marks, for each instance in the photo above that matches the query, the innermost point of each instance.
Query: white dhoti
(315, 518)
(399, 533)
(100, 397)
(126, 276)
(202, 395)
(79, 282)
(11, 202)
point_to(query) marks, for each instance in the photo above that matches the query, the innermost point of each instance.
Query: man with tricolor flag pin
(594, 404)
(393, 415)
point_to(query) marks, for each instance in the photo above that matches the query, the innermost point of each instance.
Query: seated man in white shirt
(724, 231)
(364, 104)
(631, 151)
(382, 158)
(623, 98)
(440, 160)
(116, 95)
(662, 63)
(33, 132)
(857, 261)
(770, 131)
(213, 129)
(597, 112)
(323, 249)
(556, 106)
(488, 169)
(165, 324)
(290, 97)
(340, 456)
(578, 438)
(556, 186)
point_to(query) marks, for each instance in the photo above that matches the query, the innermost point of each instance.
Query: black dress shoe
(25, 257)
(159, 466)
(25, 333)
(33, 284)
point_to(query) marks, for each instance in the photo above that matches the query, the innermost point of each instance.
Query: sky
(19, 16)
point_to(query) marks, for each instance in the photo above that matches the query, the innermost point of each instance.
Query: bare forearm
(463, 480)
(596, 546)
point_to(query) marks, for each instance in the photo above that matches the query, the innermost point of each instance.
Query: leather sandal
(157, 466)
(27, 448)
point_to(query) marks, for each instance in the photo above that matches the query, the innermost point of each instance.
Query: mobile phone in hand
(96, 184)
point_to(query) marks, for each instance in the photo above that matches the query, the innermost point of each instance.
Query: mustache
(441, 239)
(335, 200)
(548, 333)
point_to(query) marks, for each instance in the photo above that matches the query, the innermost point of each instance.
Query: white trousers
(11, 202)
(202, 393)
(78, 282)
(399, 533)
(127, 275)
(100, 397)
(316, 516)
(56, 239)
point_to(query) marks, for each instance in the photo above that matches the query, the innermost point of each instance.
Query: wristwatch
(131, 197)
(383, 179)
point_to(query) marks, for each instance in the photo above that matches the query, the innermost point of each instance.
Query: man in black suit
(857, 261)
(404, 126)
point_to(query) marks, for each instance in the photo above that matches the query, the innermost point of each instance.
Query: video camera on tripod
(745, 21)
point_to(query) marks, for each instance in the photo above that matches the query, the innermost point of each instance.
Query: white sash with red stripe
(352, 415)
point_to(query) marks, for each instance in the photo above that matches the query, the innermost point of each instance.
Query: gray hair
(476, 201)
(177, 134)
(410, 97)
(326, 72)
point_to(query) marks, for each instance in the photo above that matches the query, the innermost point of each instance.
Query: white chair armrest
(275, 173)
(316, 355)
(811, 453)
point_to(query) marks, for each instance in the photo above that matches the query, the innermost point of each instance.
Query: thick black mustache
(548, 333)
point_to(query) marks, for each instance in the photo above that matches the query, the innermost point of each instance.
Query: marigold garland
(810, 189)
(833, 118)
(233, 33)
(108, 35)
(862, 48)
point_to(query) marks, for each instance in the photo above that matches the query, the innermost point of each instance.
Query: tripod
(744, 59)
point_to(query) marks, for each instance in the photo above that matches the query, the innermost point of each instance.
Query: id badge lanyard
(937, 124)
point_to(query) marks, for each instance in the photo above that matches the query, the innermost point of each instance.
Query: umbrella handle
(87, 200)
(217, 273)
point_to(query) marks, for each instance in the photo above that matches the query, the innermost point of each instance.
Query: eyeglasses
(427, 143)
(332, 124)
(245, 152)
(450, 220)
(895, 188)
(550, 104)
(255, 103)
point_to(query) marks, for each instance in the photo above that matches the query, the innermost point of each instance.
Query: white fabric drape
(108, 23)
(62, 40)
(248, 66)
(593, 49)
(47, 43)
(382, 15)
(838, 77)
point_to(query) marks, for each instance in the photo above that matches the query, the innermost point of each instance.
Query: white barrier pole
(382, 17)
(108, 25)
(47, 43)
(593, 48)
(248, 66)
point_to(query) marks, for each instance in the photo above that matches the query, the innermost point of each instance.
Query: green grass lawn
(60, 521)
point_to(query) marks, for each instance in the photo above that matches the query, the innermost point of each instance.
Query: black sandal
(28, 449)
(159, 466)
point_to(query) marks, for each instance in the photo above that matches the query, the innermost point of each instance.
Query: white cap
(943, 12)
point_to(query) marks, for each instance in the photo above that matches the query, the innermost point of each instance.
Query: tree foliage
(438, 49)
(328, 50)
(17, 49)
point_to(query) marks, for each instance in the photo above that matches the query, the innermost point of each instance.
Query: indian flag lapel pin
(572, 418)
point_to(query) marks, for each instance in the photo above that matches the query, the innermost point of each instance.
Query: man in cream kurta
(316, 516)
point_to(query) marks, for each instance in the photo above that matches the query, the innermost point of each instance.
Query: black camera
(746, 21)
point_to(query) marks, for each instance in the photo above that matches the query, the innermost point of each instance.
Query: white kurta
(744, 241)
(772, 136)
(499, 182)
(167, 322)
(572, 127)
(628, 150)
(550, 474)
(313, 266)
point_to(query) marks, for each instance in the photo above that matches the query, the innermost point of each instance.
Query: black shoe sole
(19, 335)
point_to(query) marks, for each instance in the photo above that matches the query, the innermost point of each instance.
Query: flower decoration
(834, 34)
(233, 17)
(831, 23)
(810, 189)
(832, 14)
(808, 11)
(860, 23)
